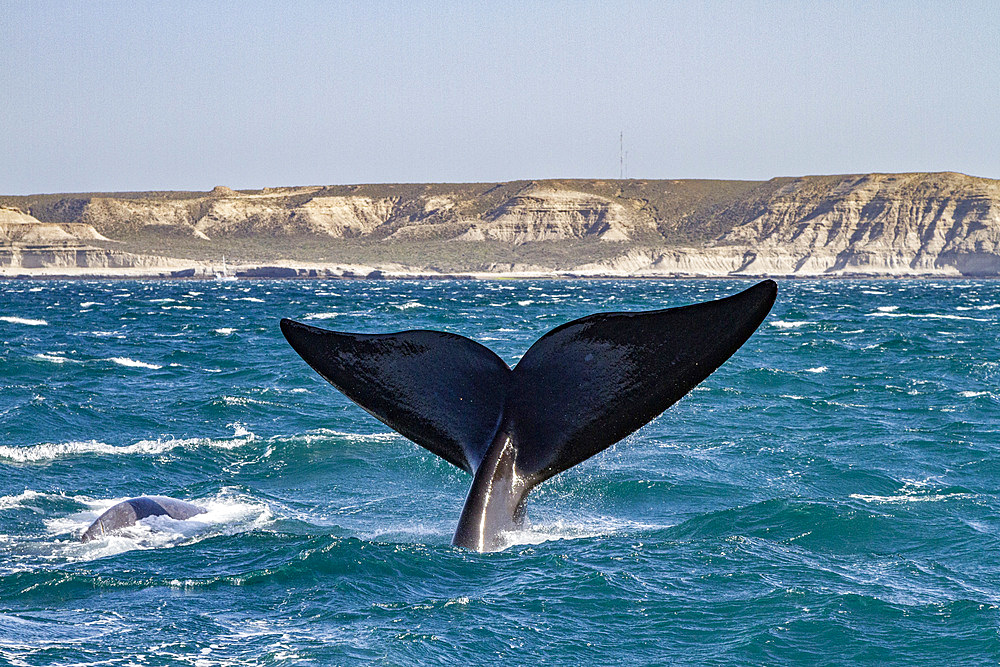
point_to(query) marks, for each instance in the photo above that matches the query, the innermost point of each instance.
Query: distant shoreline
(469, 276)
(869, 226)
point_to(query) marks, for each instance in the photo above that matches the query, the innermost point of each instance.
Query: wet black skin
(127, 512)
(579, 389)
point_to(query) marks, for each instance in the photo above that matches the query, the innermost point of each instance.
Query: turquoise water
(829, 496)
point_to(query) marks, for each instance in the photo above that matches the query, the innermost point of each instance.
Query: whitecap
(973, 394)
(250, 298)
(818, 369)
(526, 302)
(11, 502)
(325, 433)
(320, 316)
(240, 430)
(782, 324)
(23, 320)
(90, 304)
(246, 400)
(225, 331)
(49, 451)
(537, 533)
(910, 498)
(926, 316)
(132, 363)
(55, 358)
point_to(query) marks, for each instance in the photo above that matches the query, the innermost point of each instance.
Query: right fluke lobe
(579, 389)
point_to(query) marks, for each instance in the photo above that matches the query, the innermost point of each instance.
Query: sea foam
(132, 363)
(23, 320)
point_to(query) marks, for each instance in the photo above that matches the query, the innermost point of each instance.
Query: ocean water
(831, 495)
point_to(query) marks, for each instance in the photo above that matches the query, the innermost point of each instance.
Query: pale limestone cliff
(75, 257)
(115, 217)
(224, 212)
(342, 217)
(543, 214)
(19, 228)
(874, 224)
(894, 224)
(27, 243)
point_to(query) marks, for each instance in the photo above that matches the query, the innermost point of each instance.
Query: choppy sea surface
(831, 495)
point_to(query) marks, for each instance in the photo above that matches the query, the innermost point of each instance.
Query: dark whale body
(577, 390)
(127, 512)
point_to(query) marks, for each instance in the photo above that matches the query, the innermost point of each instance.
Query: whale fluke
(127, 512)
(577, 390)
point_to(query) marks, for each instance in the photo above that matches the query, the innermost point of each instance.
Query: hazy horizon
(110, 97)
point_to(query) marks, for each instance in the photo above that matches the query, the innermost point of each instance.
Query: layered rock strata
(872, 224)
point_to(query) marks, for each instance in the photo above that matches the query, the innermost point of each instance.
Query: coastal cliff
(921, 224)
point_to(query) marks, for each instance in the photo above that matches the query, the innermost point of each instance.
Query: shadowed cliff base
(932, 224)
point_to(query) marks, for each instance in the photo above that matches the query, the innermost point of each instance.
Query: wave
(17, 500)
(560, 529)
(241, 437)
(23, 320)
(912, 497)
(246, 400)
(924, 316)
(992, 306)
(50, 451)
(55, 358)
(133, 363)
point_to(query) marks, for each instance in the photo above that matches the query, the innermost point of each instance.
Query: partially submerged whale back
(127, 512)
(579, 389)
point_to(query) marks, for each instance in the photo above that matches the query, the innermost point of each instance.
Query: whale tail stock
(578, 389)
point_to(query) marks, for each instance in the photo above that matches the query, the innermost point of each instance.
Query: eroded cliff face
(874, 224)
(343, 217)
(19, 228)
(543, 214)
(878, 223)
(27, 243)
(536, 214)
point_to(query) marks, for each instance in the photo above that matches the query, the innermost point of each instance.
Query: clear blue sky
(100, 96)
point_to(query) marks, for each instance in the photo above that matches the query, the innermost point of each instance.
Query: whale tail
(577, 390)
